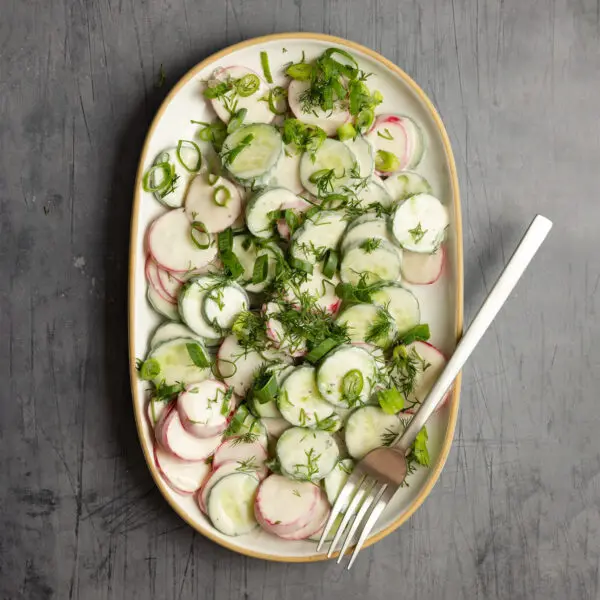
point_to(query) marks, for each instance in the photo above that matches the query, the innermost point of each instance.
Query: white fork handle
(529, 245)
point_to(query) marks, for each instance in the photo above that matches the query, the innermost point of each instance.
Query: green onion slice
(261, 269)
(237, 120)
(319, 351)
(301, 265)
(266, 391)
(247, 85)
(300, 71)
(277, 108)
(346, 132)
(232, 264)
(150, 369)
(225, 240)
(196, 166)
(197, 355)
(149, 177)
(391, 401)
(353, 383)
(264, 62)
(365, 119)
(386, 161)
(200, 236)
(419, 333)
(331, 264)
(221, 195)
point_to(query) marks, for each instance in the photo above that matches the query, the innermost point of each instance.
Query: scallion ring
(221, 195)
(149, 177)
(274, 94)
(247, 85)
(200, 236)
(301, 265)
(346, 132)
(353, 383)
(365, 119)
(386, 161)
(195, 167)
(267, 391)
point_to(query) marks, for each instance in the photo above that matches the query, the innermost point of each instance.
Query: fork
(379, 475)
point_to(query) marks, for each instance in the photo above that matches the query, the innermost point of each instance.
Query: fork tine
(355, 477)
(374, 494)
(365, 486)
(378, 507)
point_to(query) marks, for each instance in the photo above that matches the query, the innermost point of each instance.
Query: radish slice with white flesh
(275, 426)
(284, 506)
(173, 438)
(171, 245)
(318, 518)
(235, 449)
(214, 201)
(182, 476)
(169, 283)
(155, 409)
(259, 470)
(205, 408)
(319, 287)
(287, 171)
(161, 306)
(258, 110)
(423, 269)
(152, 277)
(238, 365)
(231, 504)
(327, 120)
(419, 224)
(427, 362)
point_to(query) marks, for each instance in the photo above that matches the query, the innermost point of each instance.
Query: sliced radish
(294, 345)
(205, 408)
(329, 120)
(390, 134)
(162, 306)
(170, 284)
(217, 205)
(318, 518)
(275, 426)
(429, 363)
(235, 449)
(423, 269)
(260, 471)
(173, 438)
(284, 506)
(183, 476)
(319, 287)
(154, 410)
(171, 245)
(153, 279)
(258, 110)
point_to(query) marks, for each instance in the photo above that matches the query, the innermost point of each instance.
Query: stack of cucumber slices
(292, 345)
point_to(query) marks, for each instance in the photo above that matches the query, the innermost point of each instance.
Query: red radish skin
(283, 229)
(423, 269)
(284, 506)
(173, 438)
(154, 413)
(170, 284)
(401, 140)
(320, 513)
(152, 277)
(182, 476)
(193, 402)
(233, 450)
(226, 468)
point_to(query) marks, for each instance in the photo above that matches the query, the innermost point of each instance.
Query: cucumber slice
(171, 330)
(231, 504)
(375, 192)
(401, 304)
(263, 210)
(332, 155)
(223, 304)
(371, 260)
(306, 454)
(419, 224)
(369, 323)
(175, 363)
(417, 141)
(261, 147)
(318, 234)
(346, 376)
(318, 287)
(364, 228)
(368, 428)
(403, 184)
(363, 153)
(191, 304)
(161, 306)
(248, 253)
(336, 480)
(286, 173)
(300, 401)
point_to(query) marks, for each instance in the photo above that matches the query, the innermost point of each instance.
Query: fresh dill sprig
(381, 329)
(310, 468)
(370, 245)
(417, 233)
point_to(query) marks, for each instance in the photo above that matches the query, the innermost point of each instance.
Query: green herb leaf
(331, 263)
(229, 156)
(417, 233)
(386, 161)
(391, 401)
(197, 355)
(318, 352)
(261, 269)
(419, 333)
(370, 245)
(299, 71)
(419, 448)
(236, 120)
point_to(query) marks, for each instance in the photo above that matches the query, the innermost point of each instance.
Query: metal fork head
(384, 469)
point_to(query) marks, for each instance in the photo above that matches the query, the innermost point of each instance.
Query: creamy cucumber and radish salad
(296, 229)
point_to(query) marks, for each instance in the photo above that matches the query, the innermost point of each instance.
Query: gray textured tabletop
(515, 513)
